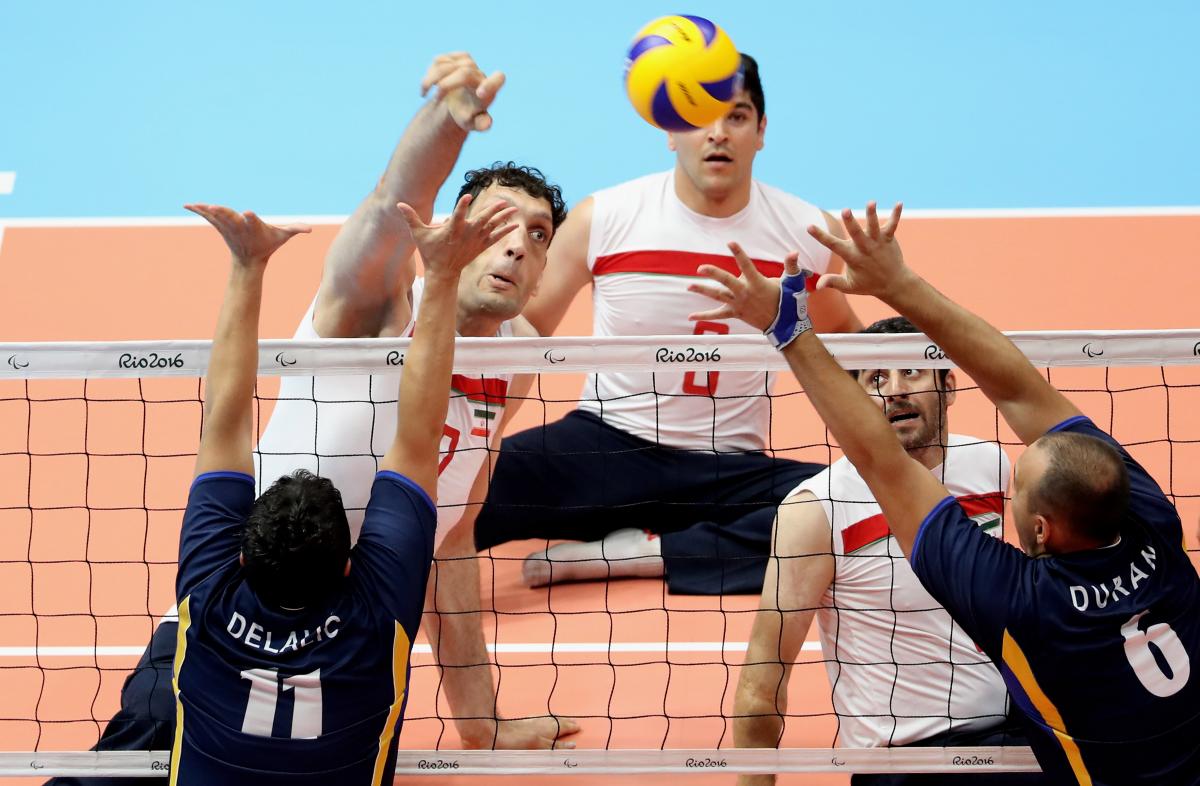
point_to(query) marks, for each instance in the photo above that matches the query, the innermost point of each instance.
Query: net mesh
(97, 444)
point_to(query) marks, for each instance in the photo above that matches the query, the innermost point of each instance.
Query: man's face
(500, 281)
(912, 401)
(719, 158)
(1027, 475)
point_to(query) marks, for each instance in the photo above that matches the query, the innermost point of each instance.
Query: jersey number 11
(265, 686)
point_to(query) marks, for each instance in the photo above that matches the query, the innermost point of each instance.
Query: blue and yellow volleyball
(682, 72)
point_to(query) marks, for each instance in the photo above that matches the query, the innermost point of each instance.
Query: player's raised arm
(227, 436)
(371, 258)
(425, 384)
(875, 266)
(905, 489)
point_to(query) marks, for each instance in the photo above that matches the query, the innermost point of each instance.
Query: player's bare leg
(625, 553)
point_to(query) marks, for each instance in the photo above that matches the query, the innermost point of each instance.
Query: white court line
(7, 181)
(527, 648)
(911, 214)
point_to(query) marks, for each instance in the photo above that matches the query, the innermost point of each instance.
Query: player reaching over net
(272, 598)
(331, 424)
(338, 426)
(683, 455)
(1094, 627)
(901, 671)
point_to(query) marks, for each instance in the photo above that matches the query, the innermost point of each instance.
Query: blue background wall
(131, 109)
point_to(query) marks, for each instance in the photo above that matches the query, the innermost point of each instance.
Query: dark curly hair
(898, 325)
(296, 541)
(526, 178)
(752, 83)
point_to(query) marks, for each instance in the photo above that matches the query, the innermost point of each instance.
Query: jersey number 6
(1157, 656)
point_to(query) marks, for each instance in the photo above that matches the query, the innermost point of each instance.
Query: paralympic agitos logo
(17, 363)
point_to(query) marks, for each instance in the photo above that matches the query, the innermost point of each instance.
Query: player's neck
(713, 203)
(477, 324)
(930, 456)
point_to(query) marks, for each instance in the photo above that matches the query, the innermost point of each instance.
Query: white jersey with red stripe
(901, 669)
(338, 426)
(644, 248)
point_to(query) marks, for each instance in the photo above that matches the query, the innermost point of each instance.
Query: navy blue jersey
(265, 695)
(1097, 647)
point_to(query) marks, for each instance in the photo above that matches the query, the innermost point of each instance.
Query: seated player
(369, 289)
(1094, 627)
(291, 664)
(901, 671)
(682, 455)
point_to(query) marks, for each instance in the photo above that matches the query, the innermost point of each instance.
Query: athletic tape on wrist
(792, 319)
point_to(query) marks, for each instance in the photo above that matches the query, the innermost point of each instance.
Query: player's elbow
(757, 717)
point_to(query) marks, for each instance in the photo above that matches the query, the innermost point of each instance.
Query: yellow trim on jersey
(1018, 664)
(401, 646)
(185, 621)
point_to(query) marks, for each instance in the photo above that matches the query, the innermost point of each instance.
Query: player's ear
(1043, 530)
(671, 142)
(950, 387)
(762, 133)
(347, 571)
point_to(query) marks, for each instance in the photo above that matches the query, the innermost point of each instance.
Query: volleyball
(682, 72)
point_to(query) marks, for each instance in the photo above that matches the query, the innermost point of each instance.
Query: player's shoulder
(831, 482)
(773, 195)
(973, 448)
(646, 184)
(974, 465)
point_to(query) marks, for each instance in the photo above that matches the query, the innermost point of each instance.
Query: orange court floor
(68, 579)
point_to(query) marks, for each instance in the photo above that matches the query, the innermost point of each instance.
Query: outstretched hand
(750, 297)
(541, 733)
(448, 247)
(250, 240)
(464, 88)
(874, 262)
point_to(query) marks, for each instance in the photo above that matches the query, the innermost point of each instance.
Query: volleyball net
(97, 447)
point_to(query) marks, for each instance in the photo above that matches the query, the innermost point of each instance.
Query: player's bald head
(1084, 483)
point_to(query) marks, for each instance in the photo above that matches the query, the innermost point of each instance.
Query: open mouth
(718, 158)
(900, 417)
(496, 278)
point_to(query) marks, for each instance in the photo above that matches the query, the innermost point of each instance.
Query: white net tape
(67, 360)
(61, 360)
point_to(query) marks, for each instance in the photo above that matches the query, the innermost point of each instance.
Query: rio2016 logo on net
(394, 358)
(150, 360)
(972, 761)
(934, 352)
(687, 355)
(437, 764)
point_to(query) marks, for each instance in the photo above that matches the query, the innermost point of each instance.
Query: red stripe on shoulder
(489, 390)
(976, 504)
(675, 263)
(873, 528)
(864, 533)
